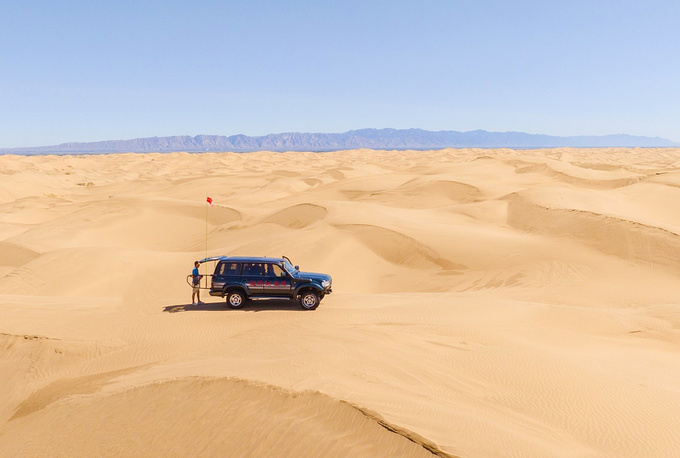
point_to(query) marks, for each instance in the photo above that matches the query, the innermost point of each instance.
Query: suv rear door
(253, 277)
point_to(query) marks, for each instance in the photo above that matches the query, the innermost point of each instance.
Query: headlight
(326, 283)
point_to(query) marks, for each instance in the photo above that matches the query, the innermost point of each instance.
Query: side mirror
(297, 267)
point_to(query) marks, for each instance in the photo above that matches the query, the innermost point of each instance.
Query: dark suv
(242, 278)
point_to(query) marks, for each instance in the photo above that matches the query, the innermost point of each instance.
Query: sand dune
(486, 303)
(630, 240)
(243, 418)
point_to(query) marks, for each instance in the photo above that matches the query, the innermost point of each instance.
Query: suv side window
(253, 269)
(274, 270)
(229, 268)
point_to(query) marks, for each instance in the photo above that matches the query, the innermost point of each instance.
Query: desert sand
(486, 303)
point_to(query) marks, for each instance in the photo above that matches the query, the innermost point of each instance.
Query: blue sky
(95, 70)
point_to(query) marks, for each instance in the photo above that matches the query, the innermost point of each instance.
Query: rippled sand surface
(486, 303)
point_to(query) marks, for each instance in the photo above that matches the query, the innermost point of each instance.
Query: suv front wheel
(236, 300)
(309, 300)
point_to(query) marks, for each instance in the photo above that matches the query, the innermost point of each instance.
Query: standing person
(196, 280)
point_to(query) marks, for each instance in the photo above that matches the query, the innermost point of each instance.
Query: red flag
(210, 201)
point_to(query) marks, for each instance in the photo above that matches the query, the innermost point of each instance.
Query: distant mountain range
(363, 138)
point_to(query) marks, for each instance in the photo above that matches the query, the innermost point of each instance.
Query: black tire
(236, 299)
(309, 300)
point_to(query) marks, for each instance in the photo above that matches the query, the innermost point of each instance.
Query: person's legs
(196, 296)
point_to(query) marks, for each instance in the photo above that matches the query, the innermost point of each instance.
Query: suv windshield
(289, 267)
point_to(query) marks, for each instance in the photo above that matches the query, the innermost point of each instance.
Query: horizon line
(6, 149)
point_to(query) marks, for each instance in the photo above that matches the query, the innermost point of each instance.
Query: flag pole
(206, 235)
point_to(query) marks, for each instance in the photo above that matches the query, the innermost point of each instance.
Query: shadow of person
(206, 306)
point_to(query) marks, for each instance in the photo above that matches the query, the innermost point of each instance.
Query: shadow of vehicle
(256, 305)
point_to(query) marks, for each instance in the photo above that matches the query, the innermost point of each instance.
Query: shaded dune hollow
(626, 239)
(298, 216)
(398, 248)
(15, 255)
(204, 416)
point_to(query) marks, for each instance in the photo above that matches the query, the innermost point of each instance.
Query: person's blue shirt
(195, 275)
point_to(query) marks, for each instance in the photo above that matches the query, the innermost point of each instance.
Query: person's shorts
(197, 288)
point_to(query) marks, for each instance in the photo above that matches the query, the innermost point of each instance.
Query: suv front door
(277, 281)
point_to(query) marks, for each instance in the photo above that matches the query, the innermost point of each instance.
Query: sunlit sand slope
(486, 303)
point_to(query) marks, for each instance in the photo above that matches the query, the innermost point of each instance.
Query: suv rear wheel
(236, 299)
(309, 300)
